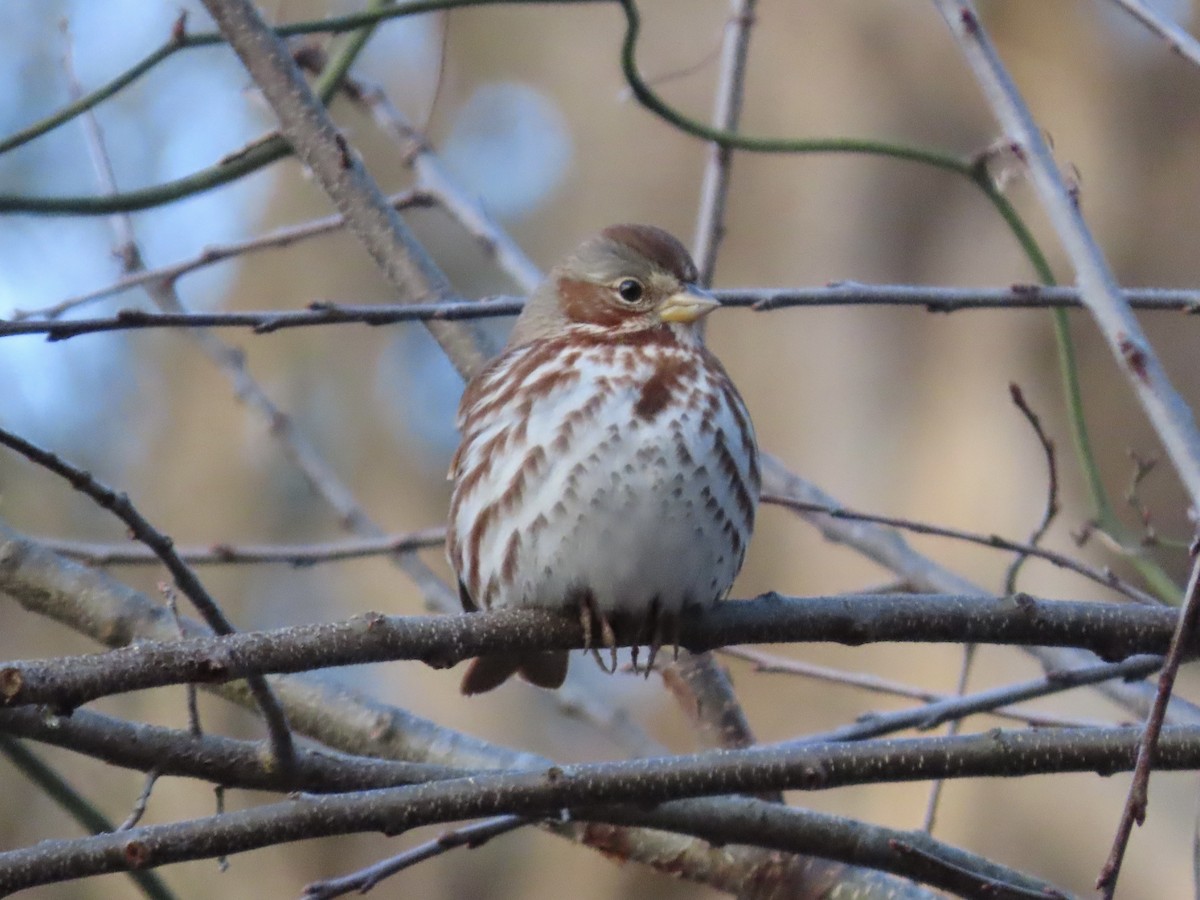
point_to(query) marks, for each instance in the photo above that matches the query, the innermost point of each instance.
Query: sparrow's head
(626, 279)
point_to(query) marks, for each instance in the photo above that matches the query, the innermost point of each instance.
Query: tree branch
(930, 297)
(393, 810)
(306, 124)
(185, 579)
(1115, 632)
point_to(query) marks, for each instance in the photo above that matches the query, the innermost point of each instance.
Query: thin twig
(952, 728)
(319, 313)
(1051, 510)
(730, 94)
(769, 663)
(1178, 40)
(298, 555)
(139, 805)
(433, 180)
(1142, 467)
(277, 239)
(1135, 803)
(193, 701)
(1106, 578)
(585, 704)
(122, 225)
(973, 884)
(470, 836)
(931, 715)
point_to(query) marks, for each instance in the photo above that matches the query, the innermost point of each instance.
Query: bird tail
(547, 670)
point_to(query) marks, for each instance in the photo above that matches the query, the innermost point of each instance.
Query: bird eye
(630, 290)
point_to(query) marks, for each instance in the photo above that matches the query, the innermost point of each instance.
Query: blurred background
(896, 411)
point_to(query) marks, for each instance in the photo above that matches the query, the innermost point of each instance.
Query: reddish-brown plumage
(607, 464)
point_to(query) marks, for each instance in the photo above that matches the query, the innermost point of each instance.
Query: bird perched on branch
(607, 465)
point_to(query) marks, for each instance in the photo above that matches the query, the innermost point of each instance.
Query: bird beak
(688, 305)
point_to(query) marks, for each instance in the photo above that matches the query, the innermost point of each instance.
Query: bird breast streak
(608, 467)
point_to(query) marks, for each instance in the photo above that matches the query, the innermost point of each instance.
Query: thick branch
(1167, 411)
(393, 810)
(221, 760)
(306, 124)
(1112, 631)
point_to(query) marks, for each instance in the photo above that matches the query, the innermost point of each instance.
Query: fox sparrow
(608, 465)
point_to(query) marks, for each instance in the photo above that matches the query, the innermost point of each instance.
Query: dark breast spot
(664, 385)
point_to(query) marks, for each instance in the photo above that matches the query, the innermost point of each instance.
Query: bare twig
(193, 701)
(935, 299)
(587, 705)
(1051, 510)
(1166, 409)
(714, 191)
(217, 253)
(471, 836)
(960, 690)
(953, 707)
(588, 790)
(1106, 578)
(703, 689)
(214, 758)
(1142, 467)
(698, 682)
(973, 885)
(220, 554)
(433, 180)
(1177, 38)
(162, 545)
(1135, 803)
(139, 805)
(771, 664)
(122, 225)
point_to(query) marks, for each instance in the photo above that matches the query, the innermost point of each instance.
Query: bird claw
(609, 637)
(586, 611)
(676, 627)
(590, 618)
(654, 628)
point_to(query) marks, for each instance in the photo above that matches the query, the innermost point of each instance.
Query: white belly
(634, 508)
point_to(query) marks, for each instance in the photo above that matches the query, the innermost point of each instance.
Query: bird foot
(661, 628)
(592, 620)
